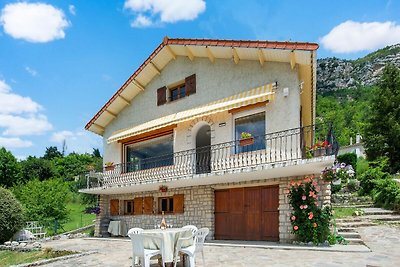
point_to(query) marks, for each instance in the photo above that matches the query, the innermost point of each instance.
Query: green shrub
(310, 223)
(348, 158)
(362, 166)
(385, 193)
(353, 185)
(369, 179)
(335, 188)
(11, 215)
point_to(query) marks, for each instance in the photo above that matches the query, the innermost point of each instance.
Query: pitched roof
(173, 42)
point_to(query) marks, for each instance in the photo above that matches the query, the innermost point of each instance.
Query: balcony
(283, 148)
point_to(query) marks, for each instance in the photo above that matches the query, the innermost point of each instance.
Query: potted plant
(163, 188)
(109, 166)
(246, 139)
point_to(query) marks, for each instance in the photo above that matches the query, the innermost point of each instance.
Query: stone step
(349, 219)
(377, 211)
(357, 206)
(355, 241)
(354, 224)
(346, 229)
(348, 235)
(384, 217)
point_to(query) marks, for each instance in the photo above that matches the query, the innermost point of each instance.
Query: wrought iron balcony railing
(293, 144)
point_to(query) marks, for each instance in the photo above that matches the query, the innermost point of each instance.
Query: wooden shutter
(148, 205)
(114, 207)
(178, 203)
(161, 96)
(190, 84)
(138, 206)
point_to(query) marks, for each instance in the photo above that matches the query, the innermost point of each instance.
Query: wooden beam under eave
(155, 68)
(124, 99)
(189, 53)
(235, 55)
(210, 55)
(261, 57)
(292, 59)
(112, 114)
(169, 49)
(138, 84)
(99, 126)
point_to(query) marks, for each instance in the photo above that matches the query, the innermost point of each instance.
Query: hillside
(335, 73)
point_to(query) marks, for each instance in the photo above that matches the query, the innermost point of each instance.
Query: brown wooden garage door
(249, 213)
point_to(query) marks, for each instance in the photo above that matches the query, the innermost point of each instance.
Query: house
(211, 132)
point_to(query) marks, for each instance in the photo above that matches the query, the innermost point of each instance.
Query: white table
(117, 228)
(170, 237)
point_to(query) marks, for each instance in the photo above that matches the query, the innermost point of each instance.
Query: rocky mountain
(335, 73)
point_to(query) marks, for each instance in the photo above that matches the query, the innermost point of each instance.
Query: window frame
(126, 201)
(170, 208)
(179, 95)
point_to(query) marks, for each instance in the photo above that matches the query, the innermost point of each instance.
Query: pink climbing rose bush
(310, 223)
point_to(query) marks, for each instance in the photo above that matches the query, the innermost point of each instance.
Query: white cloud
(78, 141)
(31, 71)
(141, 22)
(164, 11)
(14, 142)
(352, 36)
(72, 9)
(20, 115)
(32, 124)
(33, 22)
(13, 103)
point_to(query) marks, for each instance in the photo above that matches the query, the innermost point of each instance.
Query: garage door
(249, 213)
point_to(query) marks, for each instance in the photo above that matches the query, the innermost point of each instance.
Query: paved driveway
(384, 242)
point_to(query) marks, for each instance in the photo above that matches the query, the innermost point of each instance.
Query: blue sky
(60, 61)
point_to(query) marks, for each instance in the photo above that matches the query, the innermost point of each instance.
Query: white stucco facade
(214, 81)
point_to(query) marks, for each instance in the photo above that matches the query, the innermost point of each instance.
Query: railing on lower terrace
(282, 146)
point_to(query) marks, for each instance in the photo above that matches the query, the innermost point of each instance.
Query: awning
(253, 96)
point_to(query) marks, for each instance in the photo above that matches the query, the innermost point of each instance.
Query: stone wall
(199, 207)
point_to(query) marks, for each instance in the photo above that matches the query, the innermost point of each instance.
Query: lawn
(343, 212)
(8, 258)
(76, 219)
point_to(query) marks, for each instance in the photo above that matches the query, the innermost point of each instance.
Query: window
(153, 153)
(128, 207)
(166, 204)
(178, 92)
(171, 204)
(255, 125)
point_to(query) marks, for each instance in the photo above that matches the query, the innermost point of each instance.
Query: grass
(76, 219)
(343, 212)
(8, 258)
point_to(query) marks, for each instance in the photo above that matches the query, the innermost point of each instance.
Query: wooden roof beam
(138, 84)
(292, 59)
(235, 55)
(169, 49)
(124, 100)
(261, 57)
(112, 114)
(210, 55)
(189, 53)
(155, 68)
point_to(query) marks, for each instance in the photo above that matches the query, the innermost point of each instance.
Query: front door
(203, 149)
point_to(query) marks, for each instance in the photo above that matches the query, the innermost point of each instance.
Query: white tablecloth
(170, 237)
(117, 228)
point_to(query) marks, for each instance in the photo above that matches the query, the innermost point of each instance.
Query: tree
(96, 153)
(11, 215)
(72, 165)
(382, 131)
(9, 168)
(44, 201)
(52, 152)
(38, 168)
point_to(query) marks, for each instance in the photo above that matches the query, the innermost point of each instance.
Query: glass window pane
(149, 154)
(182, 91)
(255, 125)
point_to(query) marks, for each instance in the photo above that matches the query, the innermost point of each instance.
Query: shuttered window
(178, 203)
(190, 84)
(138, 205)
(161, 96)
(128, 207)
(148, 205)
(114, 207)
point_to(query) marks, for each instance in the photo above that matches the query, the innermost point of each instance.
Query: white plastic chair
(191, 227)
(134, 231)
(182, 247)
(201, 237)
(142, 253)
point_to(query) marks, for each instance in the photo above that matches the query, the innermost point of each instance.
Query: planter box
(246, 141)
(109, 168)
